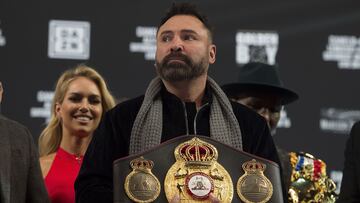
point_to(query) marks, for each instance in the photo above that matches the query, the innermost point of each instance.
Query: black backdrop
(316, 45)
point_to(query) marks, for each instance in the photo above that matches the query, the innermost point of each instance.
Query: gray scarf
(147, 129)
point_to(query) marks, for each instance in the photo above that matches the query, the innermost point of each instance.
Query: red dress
(61, 177)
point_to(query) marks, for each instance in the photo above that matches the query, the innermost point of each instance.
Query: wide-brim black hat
(260, 77)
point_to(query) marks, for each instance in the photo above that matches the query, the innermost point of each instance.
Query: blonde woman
(81, 98)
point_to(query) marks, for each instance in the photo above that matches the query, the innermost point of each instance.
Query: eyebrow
(165, 32)
(188, 31)
(181, 31)
(78, 93)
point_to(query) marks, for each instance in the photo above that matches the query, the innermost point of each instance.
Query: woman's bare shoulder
(46, 162)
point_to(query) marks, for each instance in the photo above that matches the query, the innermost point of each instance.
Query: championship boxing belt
(193, 167)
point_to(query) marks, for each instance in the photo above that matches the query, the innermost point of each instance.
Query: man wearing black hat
(260, 88)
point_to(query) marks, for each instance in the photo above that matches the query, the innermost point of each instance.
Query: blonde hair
(50, 137)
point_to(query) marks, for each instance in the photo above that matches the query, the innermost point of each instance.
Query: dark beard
(177, 71)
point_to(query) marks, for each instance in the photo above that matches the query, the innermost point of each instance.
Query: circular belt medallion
(199, 185)
(253, 186)
(141, 185)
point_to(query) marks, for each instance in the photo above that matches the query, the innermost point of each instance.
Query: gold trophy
(309, 182)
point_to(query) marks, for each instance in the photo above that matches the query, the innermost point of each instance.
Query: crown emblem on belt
(196, 153)
(141, 164)
(254, 166)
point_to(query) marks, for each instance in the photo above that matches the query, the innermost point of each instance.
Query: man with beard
(182, 100)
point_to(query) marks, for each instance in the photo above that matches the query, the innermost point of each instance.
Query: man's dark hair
(187, 9)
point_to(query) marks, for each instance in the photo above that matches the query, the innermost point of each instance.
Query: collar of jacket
(166, 95)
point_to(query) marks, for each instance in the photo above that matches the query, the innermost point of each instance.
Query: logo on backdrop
(338, 120)
(147, 44)
(44, 97)
(2, 38)
(69, 39)
(343, 49)
(256, 46)
(284, 121)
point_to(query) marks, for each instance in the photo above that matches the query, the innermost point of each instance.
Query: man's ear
(212, 54)
(1, 91)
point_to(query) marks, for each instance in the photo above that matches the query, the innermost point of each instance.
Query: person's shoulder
(355, 131)
(126, 109)
(249, 120)
(356, 126)
(12, 124)
(128, 105)
(19, 135)
(48, 158)
(46, 162)
(8, 121)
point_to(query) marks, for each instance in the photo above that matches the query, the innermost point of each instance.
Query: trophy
(309, 182)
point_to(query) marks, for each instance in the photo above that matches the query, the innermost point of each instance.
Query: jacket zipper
(186, 118)
(195, 118)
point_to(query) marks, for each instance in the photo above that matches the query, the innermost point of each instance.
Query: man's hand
(212, 198)
(175, 199)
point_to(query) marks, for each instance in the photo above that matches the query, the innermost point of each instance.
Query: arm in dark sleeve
(94, 182)
(265, 147)
(350, 191)
(256, 136)
(36, 191)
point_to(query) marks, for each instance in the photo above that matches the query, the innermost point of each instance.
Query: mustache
(177, 56)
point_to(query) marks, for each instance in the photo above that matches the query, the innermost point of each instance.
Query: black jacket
(111, 140)
(350, 186)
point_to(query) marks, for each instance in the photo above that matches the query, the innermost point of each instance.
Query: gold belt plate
(196, 173)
